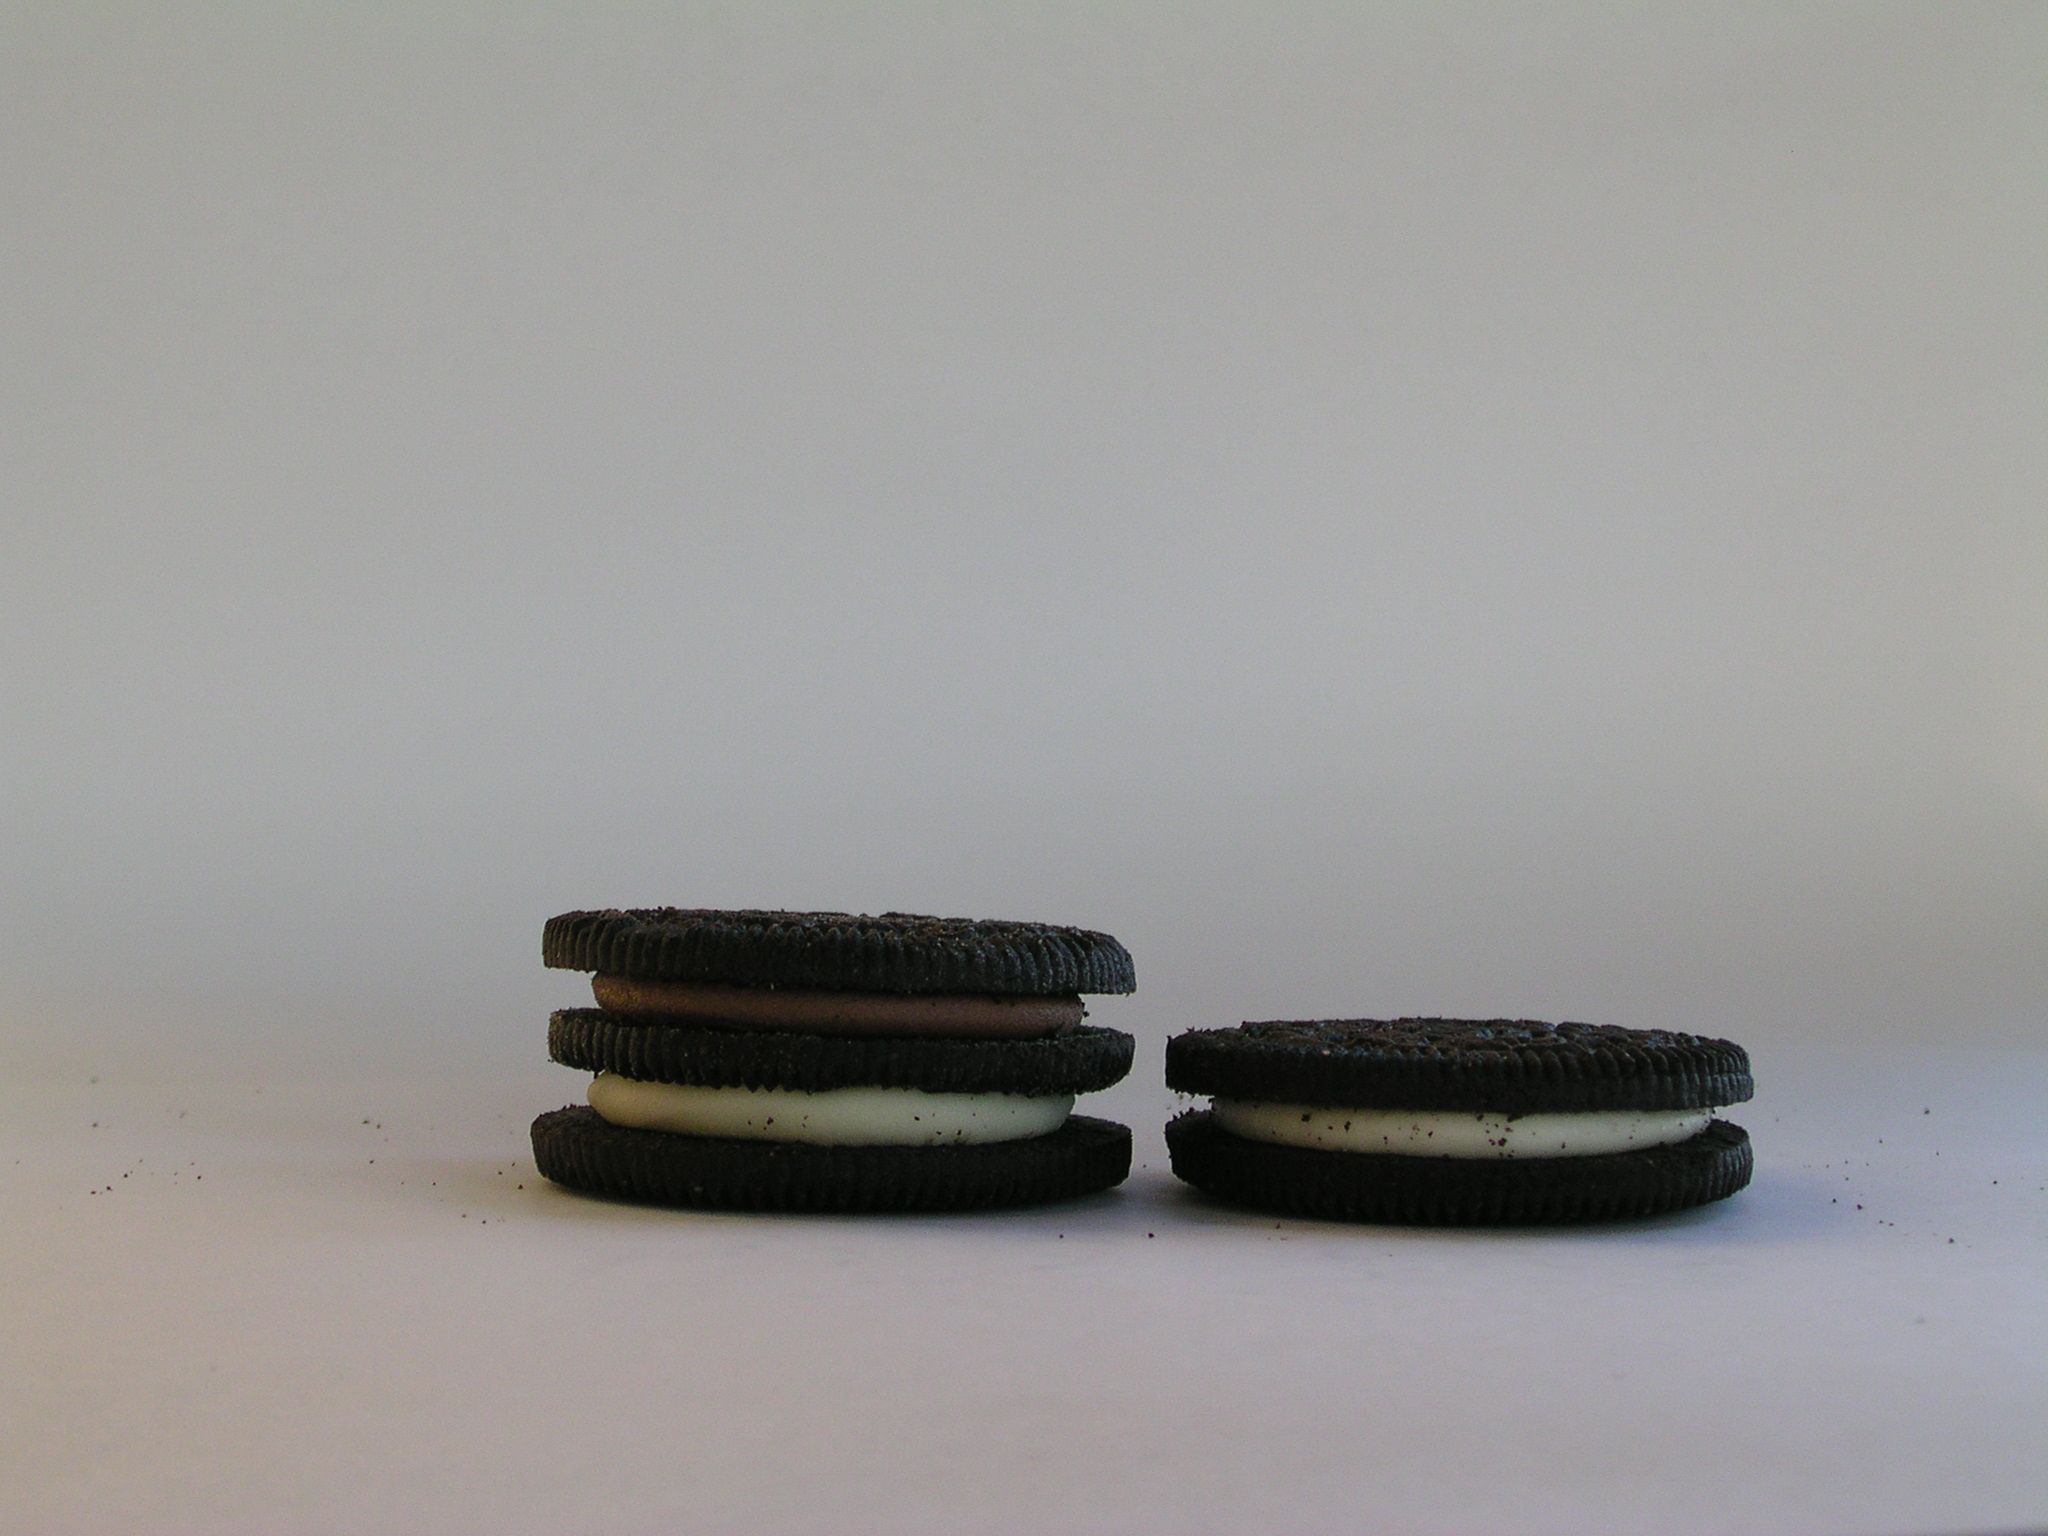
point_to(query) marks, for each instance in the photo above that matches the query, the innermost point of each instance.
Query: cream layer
(844, 1117)
(1459, 1133)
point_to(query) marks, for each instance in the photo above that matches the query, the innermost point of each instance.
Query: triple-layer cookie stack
(824, 1061)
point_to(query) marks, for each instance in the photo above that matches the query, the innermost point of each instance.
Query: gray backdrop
(1384, 508)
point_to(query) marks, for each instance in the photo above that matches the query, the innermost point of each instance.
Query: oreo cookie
(1459, 1121)
(580, 1149)
(1080, 1061)
(822, 1061)
(896, 952)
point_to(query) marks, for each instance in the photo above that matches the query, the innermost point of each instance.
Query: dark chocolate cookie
(1441, 1191)
(577, 1148)
(1459, 1121)
(1080, 1061)
(1510, 1065)
(839, 951)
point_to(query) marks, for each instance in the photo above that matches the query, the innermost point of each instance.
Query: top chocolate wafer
(900, 952)
(1518, 1066)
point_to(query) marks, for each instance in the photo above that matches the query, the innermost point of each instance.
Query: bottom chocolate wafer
(1445, 1191)
(579, 1148)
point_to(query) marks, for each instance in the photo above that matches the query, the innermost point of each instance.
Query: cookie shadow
(1777, 1207)
(516, 1189)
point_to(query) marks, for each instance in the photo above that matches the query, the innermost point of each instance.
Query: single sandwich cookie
(780, 1121)
(821, 1061)
(1455, 1121)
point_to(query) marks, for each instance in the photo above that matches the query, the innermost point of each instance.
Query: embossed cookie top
(1518, 1066)
(897, 952)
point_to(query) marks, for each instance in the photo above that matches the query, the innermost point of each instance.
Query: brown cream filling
(841, 1013)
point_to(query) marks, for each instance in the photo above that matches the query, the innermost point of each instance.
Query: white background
(1386, 509)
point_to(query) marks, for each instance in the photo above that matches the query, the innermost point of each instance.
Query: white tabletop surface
(1384, 507)
(327, 1304)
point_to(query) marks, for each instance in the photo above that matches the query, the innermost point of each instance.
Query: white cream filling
(843, 1117)
(1459, 1133)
